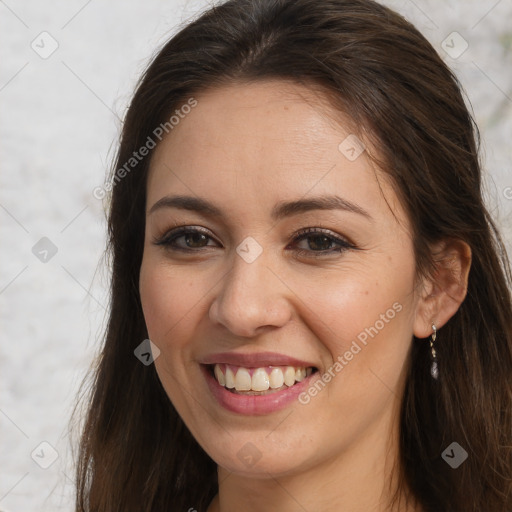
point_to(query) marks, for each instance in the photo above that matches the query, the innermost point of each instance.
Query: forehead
(266, 140)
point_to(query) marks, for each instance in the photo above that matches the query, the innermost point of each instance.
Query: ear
(442, 294)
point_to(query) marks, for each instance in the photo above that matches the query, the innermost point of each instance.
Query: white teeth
(219, 375)
(230, 378)
(276, 379)
(260, 380)
(243, 380)
(300, 374)
(289, 376)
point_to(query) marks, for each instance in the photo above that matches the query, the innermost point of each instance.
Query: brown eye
(320, 242)
(193, 238)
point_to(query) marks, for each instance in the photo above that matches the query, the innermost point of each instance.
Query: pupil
(319, 242)
(324, 239)
(190, 236)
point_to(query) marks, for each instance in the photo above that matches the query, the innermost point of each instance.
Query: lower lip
(254, 405)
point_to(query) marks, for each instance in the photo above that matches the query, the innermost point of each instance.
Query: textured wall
(60, 120)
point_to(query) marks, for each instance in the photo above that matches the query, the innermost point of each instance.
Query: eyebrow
(280, 211)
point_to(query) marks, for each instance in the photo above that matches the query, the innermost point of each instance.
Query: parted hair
(134, 452)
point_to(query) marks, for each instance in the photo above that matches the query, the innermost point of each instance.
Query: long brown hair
(135, 453)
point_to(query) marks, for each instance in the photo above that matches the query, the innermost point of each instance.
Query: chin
(258, 456)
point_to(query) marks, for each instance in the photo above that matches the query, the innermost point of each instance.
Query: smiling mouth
(258, 381)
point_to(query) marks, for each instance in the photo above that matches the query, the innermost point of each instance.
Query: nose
(253, 297)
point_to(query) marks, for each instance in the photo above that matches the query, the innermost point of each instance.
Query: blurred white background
(60, 121)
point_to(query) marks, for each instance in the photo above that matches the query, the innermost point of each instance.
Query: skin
(246, 148)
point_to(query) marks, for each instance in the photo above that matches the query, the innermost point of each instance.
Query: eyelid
(318, 230)
(179, 230)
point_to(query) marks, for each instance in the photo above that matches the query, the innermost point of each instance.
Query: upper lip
(255, 360)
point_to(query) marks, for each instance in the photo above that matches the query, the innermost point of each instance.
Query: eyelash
(169, 238)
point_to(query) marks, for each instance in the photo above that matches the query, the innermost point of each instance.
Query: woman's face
(252, 298)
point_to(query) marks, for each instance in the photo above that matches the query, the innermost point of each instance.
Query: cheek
(357, 299)
(171, 303)
(167, 298)
(364, 320)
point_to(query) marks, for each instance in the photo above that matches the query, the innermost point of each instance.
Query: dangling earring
(434, 370)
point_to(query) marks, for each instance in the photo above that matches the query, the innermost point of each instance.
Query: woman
(297, 225)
